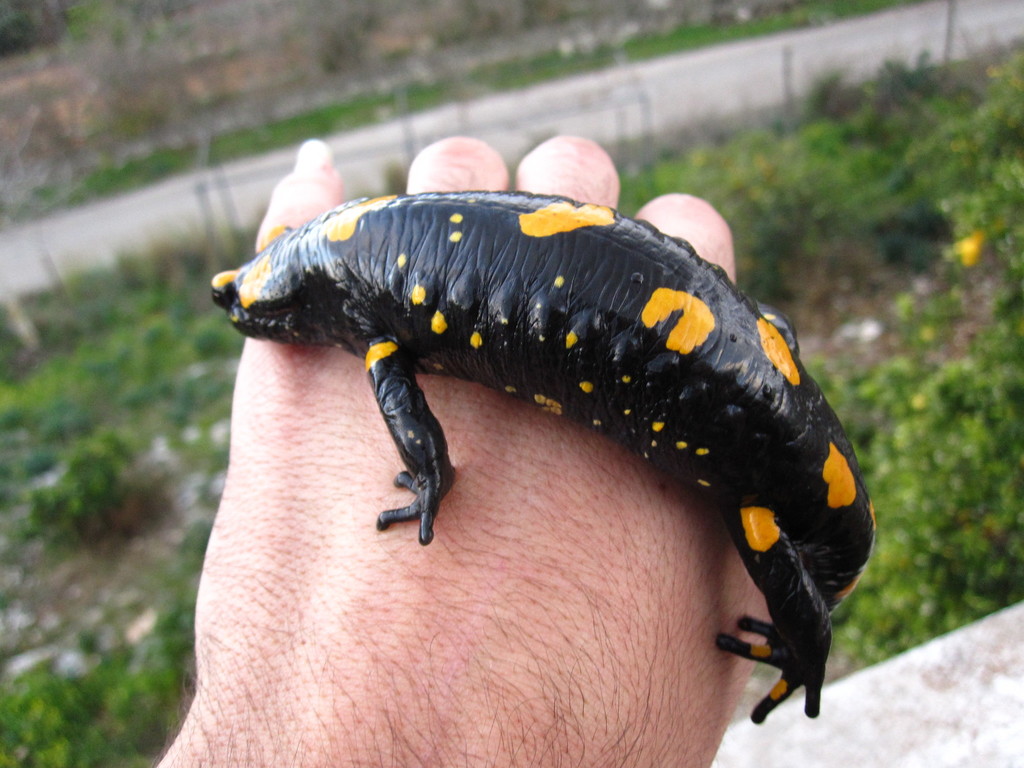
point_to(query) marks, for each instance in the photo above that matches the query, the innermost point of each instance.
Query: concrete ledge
(955, 701)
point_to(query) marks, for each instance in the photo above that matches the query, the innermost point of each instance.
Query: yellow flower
(968, 249)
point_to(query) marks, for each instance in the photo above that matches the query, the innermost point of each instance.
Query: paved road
(627, 102)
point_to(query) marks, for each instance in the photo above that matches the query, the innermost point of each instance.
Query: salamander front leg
(417, 435)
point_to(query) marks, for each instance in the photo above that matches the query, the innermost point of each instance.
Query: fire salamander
(609, 322)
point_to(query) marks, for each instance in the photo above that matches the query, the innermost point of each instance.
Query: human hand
(566, 611)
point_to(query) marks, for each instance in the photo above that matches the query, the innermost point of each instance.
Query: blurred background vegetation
(103, 95)
(885, 219)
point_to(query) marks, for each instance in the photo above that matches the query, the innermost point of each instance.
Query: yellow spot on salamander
(692, 329)
(596, 422)
(418, 295)
(343, 224)
(871, 510)
(842, 489)
(778, 351)
(587, 386)
(627, 411)
(760, 650)
(682, 445)
(271, 235)
(702, 451)
(455, 218)
(510, 389)
(658, 426)
(437, 323)
(549, 405)
(760, 528)
(379, 351)
(626, 379)
(704, 483)
(223, 278)
(559, 281)
(455, 237)
(845, 591)
(476, 340)
(570, 339)
(779, 690)
(564, 216)
(254, 281)
(401, 261)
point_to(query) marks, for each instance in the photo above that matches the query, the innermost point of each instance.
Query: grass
(702, 35)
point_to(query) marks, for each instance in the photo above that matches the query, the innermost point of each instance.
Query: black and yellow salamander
(607, 321)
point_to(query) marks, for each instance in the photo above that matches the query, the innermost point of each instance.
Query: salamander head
(264, 297)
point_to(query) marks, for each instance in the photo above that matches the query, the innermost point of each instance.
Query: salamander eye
(224, 289)
(258, 290)
(268, 285)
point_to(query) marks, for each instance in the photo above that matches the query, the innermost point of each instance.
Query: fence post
(788, 97)
(408, 132)
(947, 51)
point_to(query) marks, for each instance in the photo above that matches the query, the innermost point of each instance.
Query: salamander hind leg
(775, 652)
(798, 640)
(417, 435)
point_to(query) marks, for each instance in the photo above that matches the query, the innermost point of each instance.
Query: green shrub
(18, 30)
(941, 428)
(795, 202)
(914, 235)
(90, 498)
(64, 419)
(119, 712)
(943, 447)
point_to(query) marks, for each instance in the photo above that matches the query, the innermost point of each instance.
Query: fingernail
(313, 155)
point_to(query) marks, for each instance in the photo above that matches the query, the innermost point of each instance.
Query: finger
(695, 220)
(310, 189)
(457, 164)
(571, 166)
